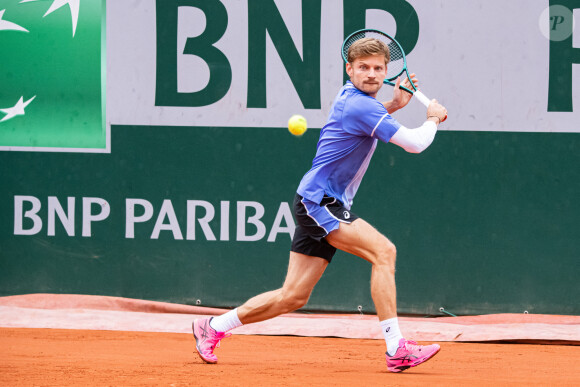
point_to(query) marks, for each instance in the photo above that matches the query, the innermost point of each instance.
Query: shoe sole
(197, 348)
(403, 368)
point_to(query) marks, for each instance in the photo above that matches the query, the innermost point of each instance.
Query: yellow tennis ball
(297, 125)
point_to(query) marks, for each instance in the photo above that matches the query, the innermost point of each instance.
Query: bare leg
(363, 240)
(303, 274)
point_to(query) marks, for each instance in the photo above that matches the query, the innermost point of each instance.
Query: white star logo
(16, 110)
(5, 25)
(56, 4)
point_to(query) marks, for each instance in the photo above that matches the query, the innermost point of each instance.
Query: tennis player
(322, 208)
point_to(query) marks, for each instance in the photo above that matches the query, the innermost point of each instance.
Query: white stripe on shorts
(331, 214)
(312, 217)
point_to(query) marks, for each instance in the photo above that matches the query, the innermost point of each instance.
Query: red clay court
(65, 340)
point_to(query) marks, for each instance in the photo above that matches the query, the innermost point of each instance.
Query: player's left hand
(400, 97)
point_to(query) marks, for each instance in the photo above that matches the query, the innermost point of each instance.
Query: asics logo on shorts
(346, 214)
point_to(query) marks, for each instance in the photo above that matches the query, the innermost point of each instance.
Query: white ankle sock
(226, 322)
(392, 334)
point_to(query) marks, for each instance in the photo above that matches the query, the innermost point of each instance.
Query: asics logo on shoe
(204, 334)
(407, 358)
(388, 329)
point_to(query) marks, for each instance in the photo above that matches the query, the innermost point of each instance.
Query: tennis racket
(396, 66)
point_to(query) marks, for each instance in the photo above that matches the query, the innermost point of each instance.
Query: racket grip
(422, 98)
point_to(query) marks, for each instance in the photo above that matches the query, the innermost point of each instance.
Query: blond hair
(367, 47)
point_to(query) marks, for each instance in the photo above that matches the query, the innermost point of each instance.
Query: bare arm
(400, 97)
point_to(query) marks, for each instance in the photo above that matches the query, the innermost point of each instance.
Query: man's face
(367, 73)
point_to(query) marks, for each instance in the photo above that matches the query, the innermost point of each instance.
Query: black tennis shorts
(314, 222)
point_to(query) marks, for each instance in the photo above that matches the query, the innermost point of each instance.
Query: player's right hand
(435, 109)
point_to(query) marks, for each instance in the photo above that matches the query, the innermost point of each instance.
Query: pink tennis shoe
(207, 339)
(410, 354)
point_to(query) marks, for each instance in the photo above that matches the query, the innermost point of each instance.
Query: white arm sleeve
(415, 140)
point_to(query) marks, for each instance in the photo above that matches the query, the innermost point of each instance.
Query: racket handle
(422, 98)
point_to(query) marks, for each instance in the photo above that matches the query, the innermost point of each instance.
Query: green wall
(483, 222)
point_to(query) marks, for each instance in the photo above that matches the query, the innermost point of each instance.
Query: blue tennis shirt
(346, 144)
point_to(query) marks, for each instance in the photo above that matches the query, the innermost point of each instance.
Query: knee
(292, 301)
(386, 253)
